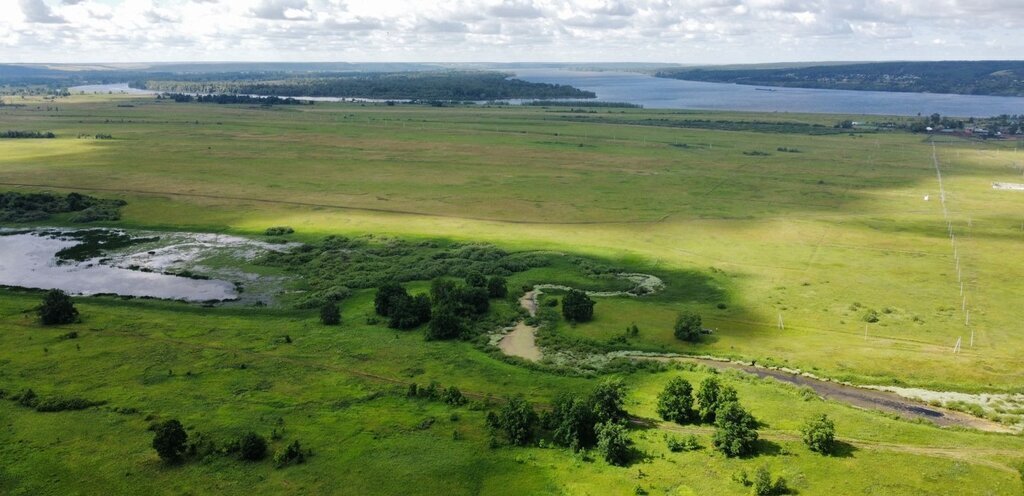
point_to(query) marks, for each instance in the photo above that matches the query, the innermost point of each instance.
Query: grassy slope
(340, 391)
(764, 223)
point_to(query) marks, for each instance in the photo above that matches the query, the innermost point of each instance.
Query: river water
(653, 92)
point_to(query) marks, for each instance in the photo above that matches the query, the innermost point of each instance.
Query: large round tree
(57, 308)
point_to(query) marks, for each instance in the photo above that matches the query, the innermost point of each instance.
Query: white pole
(972, 338)
(967, 317)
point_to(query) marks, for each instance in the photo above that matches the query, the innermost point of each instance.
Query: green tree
(445, 323)
(613, 443)
(169, 441)
(443, 291)
(57, 308)
(386, 293)
(819, 434)
(735, 430)
(675, 403)
(688, 326)
(408, 311)
(608, 399)
(517, 420)
(475, 299)
(572, 422)
(496, 287)
(252, 447)
(710, 396)
(577, 306)
(330, 314)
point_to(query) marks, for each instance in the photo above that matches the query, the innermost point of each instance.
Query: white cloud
(691, 31)
(36, 11)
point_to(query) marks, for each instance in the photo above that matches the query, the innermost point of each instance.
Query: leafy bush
(819, 434)
(169, 441)
(252, 447)
(278, 231)
(60, 404)
(27, 397)
(763, 485)
(289, 455)
(675, 445)
(453, 396)
(613, 443)
(476, 280)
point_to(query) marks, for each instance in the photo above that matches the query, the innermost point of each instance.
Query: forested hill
(437, 85)
(1002, 78)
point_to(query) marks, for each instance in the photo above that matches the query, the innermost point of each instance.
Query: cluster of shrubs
(29, 398)
(717, 404)
(279, 231)
(32, 207)
(26, 134)
(578, 422)
(735, 429)
(448, 309)
(173, 444)
(433, 391)
(338, 265)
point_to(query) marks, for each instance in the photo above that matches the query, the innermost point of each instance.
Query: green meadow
(745, 234)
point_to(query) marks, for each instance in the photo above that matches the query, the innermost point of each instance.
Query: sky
(671, 31)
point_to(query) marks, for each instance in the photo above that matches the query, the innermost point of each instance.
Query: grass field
(820, 237)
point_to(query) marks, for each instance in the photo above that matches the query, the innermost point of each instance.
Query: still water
(29, 260)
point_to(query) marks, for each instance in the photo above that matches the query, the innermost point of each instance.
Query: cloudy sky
(678, 31)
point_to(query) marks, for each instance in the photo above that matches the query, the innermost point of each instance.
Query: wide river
(652, 92)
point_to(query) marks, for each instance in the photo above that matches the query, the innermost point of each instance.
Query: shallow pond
(33, 259)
